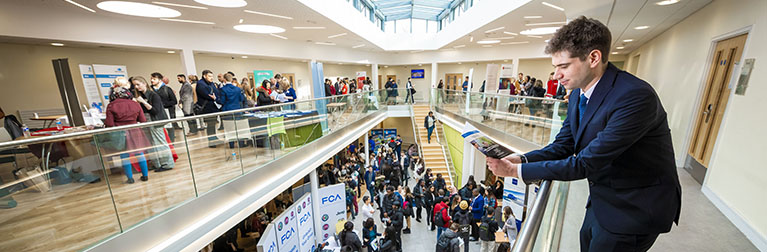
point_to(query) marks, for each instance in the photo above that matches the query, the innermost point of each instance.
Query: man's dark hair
(181, 75)
(204, 72)
(156, 75)
(580, 37)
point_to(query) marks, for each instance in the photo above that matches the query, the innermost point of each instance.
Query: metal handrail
(448, 91)
(61, 137)
(416, 135)
(531, 225)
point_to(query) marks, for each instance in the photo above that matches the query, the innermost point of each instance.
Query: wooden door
(291, 78)
(380, 84)
(453, 80)
(715, 97)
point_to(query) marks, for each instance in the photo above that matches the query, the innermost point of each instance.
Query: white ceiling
(620, 16)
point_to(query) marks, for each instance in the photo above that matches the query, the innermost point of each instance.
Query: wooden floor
(74, 216)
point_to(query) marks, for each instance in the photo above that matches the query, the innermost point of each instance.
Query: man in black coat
(397, 220)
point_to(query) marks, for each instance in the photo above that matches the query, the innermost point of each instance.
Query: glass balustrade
(69, 191)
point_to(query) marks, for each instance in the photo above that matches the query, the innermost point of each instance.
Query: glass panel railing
(76, 185)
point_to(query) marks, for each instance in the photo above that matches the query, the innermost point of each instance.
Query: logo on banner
(325, 227)
(272, 247)
(286, 220)
(325, 236)
(298, 209)
(303, 204)
(304, 218)
(292, 215)
(331, 199)
(325, 217)
(287, 235)
(279, 226)
(514, 181)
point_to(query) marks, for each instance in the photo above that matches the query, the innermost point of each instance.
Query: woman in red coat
(122, 110)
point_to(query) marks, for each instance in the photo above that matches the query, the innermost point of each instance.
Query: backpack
(484, 232)
(439, 220)
(446, 245)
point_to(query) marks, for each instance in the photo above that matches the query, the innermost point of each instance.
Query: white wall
(538, 68)
(345, 70)
(29, 83)
(675, 64)
(403, 72)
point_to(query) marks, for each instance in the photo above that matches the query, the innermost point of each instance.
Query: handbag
(114, 140)
(412, 90)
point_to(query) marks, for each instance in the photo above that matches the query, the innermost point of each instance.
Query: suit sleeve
(202, 93)
(562, 147)
(172, 100)
(633, 117)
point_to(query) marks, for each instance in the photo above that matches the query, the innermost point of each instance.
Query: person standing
(441, 216)
(122, 110)
(429, 123)
(607, 139)
(510, 224)
(397, 220)
(206, 100)
(410, 91)
(367, 208)
(169, 100)
(551, 86)
(439, 182)
(369, 233)
(477, 211)
(419, 191)
(428, 202)
(487, 231)
(186, 101)
(463, 218)
(162, 160)
(465, 85)
(232, 98)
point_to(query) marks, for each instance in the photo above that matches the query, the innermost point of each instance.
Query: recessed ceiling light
(510, 33)
(553, 6)
(641, 27)
(57, 44)
(614, 52)
(496, 29)
(138, 9)
(485, 42)
(358, 46)
(181, 5)
(420, 64)
(628, 40)
(325, 43)
(459, 46)
(504, 38)
(308, 27)
(666, 2)
(80, 5)
(277, 36)
(619, 48)
(268, 14)
(224, 3)
(337, 35)
(532, 17)
(546, 23)
(540, 31)
(459, 63)
(187, 21)
(515, 43)
(244, 56)
(533, 36)
(241, 20)
(171, 51)
(258, 28)
(340, 63)
(487, 46)
(386, 66)
(471, 39)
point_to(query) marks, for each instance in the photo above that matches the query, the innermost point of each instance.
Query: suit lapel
(600, 92)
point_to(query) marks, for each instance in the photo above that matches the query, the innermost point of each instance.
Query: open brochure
(483, 143)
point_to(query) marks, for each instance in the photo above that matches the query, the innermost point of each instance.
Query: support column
(187, 60)
(367, 151)
(434, 82)
(374, 76)
(315, 192)
(515, 66)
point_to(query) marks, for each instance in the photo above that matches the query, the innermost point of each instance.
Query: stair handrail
(416, 135)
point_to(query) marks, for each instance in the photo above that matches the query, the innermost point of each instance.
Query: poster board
(332, 209)
(287, 231)
(105, 76)
(532, 194)
(268, 240)
(91, 86)
(361, 75)
(390, 134)
(261, 75)
(303, 208)
(491, 78)
(514, 196)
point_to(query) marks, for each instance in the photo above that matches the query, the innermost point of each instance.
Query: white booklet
(483, 143)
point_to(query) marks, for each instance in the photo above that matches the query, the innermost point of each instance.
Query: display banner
(268, 241)
(261, 75)
(532, 193)
(507, 70)
(491, 78)
(287, 231)
(390, 134)
(91, 87)
(105, 76)
(361, 78)
(514, 196)
(332, 209)
(303, 208)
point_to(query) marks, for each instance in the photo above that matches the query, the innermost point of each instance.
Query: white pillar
(374, 76)
(315, 192)
(515, 66)
(311, 79)
(367, 151)
(187, 60)
(434, 75)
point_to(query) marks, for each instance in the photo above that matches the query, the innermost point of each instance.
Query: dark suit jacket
(203, 90)
(623, 147)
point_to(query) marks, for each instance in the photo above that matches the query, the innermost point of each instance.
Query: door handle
(707, 112)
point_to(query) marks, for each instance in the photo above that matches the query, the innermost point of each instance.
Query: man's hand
(514, 158)
(503, 167)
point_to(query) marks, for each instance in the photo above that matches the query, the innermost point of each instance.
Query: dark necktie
(582, 107)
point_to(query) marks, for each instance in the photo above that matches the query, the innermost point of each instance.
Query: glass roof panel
(418, 9)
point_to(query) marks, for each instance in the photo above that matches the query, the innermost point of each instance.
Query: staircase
(433, 155)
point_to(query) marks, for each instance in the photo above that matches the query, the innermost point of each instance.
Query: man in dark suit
(616, 135)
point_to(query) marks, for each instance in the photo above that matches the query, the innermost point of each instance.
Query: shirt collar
(588, 93)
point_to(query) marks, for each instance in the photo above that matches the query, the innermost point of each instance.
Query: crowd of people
(523, 85)
(343, 86)
(452, 213)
